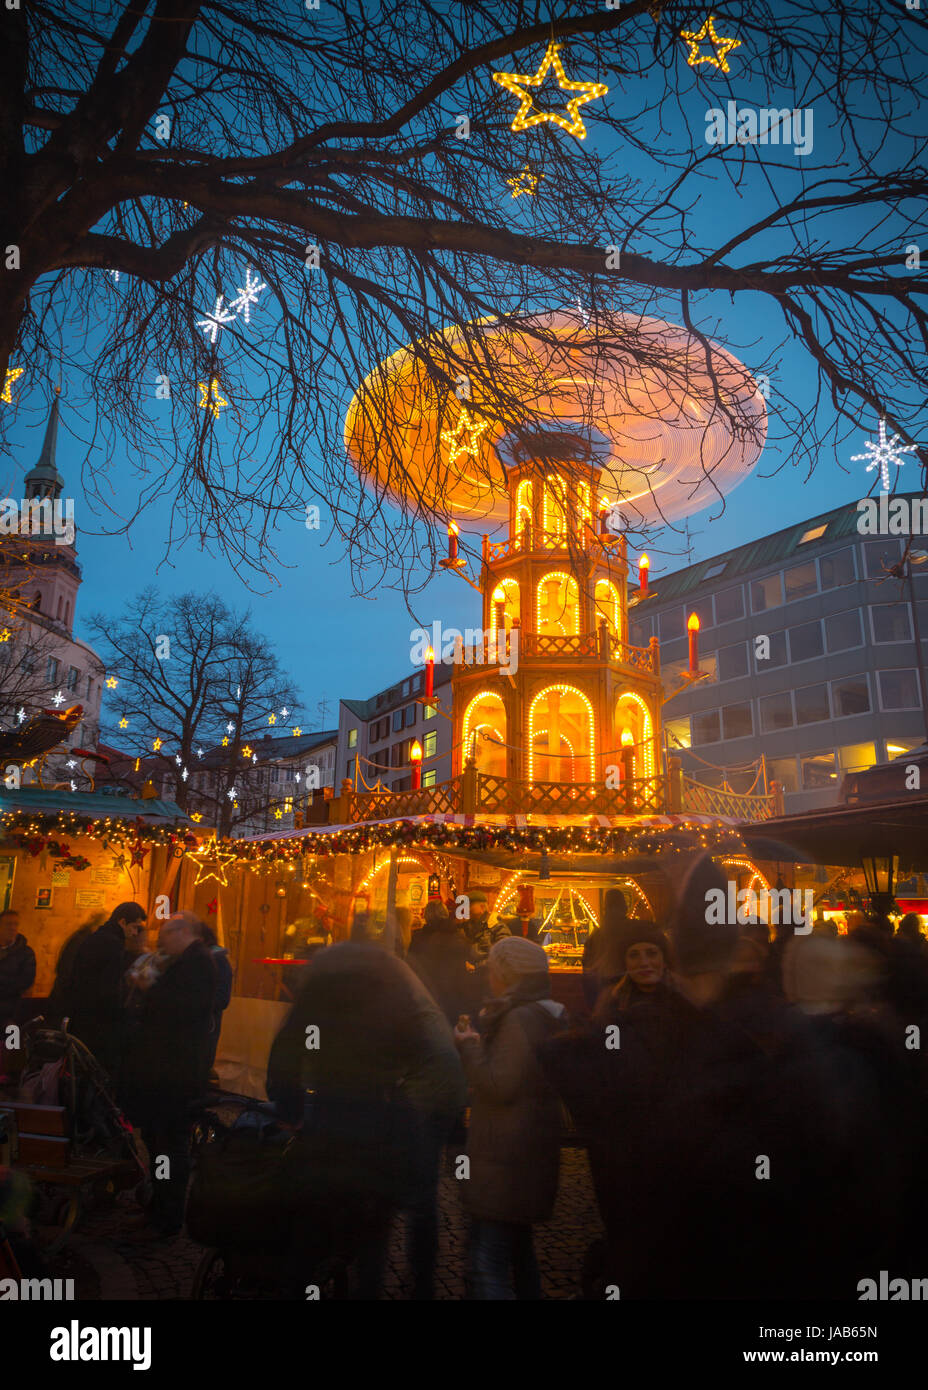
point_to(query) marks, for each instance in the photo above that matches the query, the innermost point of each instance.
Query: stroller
(104, 1155)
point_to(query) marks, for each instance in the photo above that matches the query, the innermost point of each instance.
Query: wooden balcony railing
(711, 801)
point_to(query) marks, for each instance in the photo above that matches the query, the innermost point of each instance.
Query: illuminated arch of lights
(385, 864)
(573, 596)
(507, 593)
(748, 867)
(523, 505)
(612, 600)
(540, 733)
(564, 690)
(647, 729)
(466, 729)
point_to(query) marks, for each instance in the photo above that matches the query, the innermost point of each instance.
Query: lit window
(429, 712)
(800, 581)
(857, 757)
(678, 733)
(766, 593)
(814, 534)
(352, 738)
(429, 776)
(783, 770)
(818, 770)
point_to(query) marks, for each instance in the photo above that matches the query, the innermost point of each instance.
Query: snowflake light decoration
(70, 763)
(883, 453)
(230, 727)
(20, 715)
(58, 698)
(248, 294)
(214, 323)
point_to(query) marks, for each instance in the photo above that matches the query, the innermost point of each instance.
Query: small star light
(231, 793)
(297, 731)
(211, 398)
(214, 323)
(230, 728)
(20, 715)
(70, 763)
(246, 752)
(278, 814)
(111, 682)
(196, 815)
(722, 46)
(5, 635)
(254, 757)
(517, 83)
(184, 773)
(58, 699)
(73, 786)
(248, 294)
(178, 759)
(199, 752)
(225, 742)
(157, 744)
(211, 863)
(124, 723)
(272, 719)
(526, 182)
(465, 425)
(882, 454)
(12, 374)
(115, 275)
(284, 712)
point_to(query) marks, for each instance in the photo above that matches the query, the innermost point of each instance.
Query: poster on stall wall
(106, 878)
(88, 897)
(43, 897)
(61, 878)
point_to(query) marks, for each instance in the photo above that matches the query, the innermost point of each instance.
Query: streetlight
(880, 875)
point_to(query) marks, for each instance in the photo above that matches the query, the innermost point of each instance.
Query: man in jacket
(17, 964)
(92, 996)
(168, 1065)
(479, 934)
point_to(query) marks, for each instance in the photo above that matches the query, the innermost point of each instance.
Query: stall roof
(843, 834)
(93, 805)
(527, 822)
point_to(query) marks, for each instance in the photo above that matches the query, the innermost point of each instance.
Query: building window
(851, 696)
(51, 670)
(407, 687)
(776, 712)
(879, 556)
(672, 624)
(814, 533)
(429, 712)
(352, 738)
(706, 727)
(733, 662)
(766, 593)
(842, 631)
(428, 777)
(784, 771)
(837, 569)
(349, 768)
(74, 676)
(678, 733)
(800, 581)
(805, 642)
(402, 784)
(715, 570)
(410, 716)
(776, 655)
(429, 744)
(89, 686)
(856, 757)
(898, 747)
(396, 755)
(818, 770)
(812, 704)
(641, 630)
(729, 605)
(397, 720)
(898, 690)
(737, 721)
(890, 622)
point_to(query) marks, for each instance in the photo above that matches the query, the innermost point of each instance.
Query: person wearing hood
(516, 1122)
(17, 964)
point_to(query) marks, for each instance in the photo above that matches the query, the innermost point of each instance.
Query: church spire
(44, 480)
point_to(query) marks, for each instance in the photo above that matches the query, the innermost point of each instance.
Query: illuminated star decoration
(722, 46)
(58, 698)
(214, 323)
(526, 182)
(199, 752)
(111, 682)
(516, 83)
(184, 774)
(278, 814)
(139, 852)
(124, 723)
(284, 712)
(248, 294)
(12, 374)
(246, 752)
(225, 742)
(73, 786)
(178, 759)
(196, 815)
(20, 715)
(883, 453)
(231, 793)
(272, 719)
(5, 635)
(157, 744)
(212, 906)
(230, 728)
(211, 397)
(454, 438)
(210, 863)
(70, 763)
(297, 731)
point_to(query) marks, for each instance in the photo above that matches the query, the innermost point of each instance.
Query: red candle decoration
(429, 672)
(452, 541)
(415, 757)
(644, 564)
(628, 753)
(692, 626)
(604, 509)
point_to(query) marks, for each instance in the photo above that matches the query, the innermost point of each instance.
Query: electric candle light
(452, 542)
(644, 564)
(692, 626)
(429, 672)
(415, 757)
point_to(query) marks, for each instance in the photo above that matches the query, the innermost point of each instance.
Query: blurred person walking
(93, 996)
(17, 965)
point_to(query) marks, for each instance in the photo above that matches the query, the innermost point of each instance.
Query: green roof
(90, 804)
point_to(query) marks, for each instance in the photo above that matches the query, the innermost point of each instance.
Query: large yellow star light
(722, 46)
(12, 374)
(455, 438)
(211, 398)
(211, 863)
(517, 82)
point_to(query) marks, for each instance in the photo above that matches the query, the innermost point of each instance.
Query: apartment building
(375, 735)
(808, 655)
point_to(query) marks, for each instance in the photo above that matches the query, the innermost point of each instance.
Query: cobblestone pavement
(104, 1265)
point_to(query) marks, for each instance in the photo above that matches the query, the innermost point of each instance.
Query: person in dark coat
(478, 933)
(64, 968)
(94, 998)
(604, 949)
(223, 994)
(17, 964)
(439, 956)
(168, 1064)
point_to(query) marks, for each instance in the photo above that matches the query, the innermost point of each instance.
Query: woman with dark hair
(646, 979)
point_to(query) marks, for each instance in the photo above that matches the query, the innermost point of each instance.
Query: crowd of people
(753, 1107)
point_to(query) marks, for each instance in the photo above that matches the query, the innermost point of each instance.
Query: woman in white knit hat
(515, 1123)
